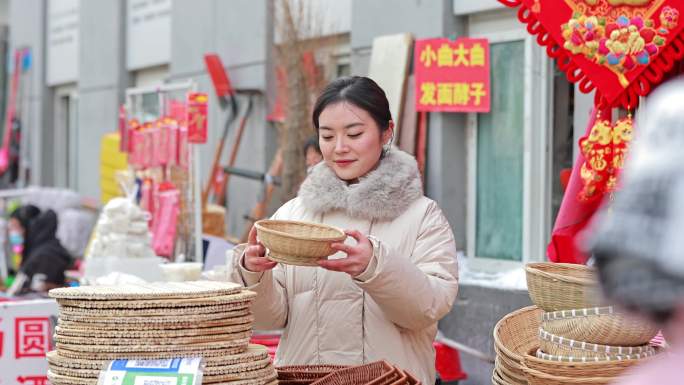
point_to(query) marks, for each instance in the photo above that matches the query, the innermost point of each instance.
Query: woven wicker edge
(516, 357)
(237, 368)
(148, 348)
(151, 312)
(58, 379)
(214, 353)
(534, 268)
(139, 321)
(260, 226)
(261, 381)
(595, 348)
(264, 372)
(605, 358)
(168, 340)
(158, 302)
(244, 317)
(293, 260)
(496, 378)
(569, 380)
(186, 332)
(508, 373)
(193, 289)
(305, 372)
(252, 353)
(247, 370)
(575, 313)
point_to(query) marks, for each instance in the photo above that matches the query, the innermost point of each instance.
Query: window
(509, 165)
(499, 169)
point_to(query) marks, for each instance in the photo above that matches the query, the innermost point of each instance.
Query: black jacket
(43, 253)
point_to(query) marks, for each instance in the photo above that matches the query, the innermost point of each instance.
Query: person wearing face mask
(44, 259)
(396, 276)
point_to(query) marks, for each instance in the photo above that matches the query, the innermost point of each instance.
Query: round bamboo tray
(562, 286)
(601, 325)
(559, 346)
(298, 243)
(562, 366)
(535, 377)
(514, 336)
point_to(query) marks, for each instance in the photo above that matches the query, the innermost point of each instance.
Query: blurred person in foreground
(637, 239)
(44, 259)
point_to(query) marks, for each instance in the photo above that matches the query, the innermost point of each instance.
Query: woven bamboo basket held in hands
(600, 325)
(297, 243)
(562, 286)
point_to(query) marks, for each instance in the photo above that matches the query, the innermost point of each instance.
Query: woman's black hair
(312, 142)
(25, 214)
(360, 91)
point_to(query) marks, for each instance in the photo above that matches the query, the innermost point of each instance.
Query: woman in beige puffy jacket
(382, 294)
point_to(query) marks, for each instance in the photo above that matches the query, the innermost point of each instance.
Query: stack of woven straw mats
(206, 319)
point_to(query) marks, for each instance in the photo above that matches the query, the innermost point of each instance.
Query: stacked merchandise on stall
(570, 336)
(121, 230)
(160, 144)
(212, 320)
(121, 244)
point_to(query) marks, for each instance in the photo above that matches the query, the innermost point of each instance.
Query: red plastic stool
(448, 363)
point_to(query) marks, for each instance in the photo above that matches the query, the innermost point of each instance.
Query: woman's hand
(255, 255)
(358, 256)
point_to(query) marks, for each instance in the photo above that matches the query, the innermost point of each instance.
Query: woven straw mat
(178, 311)
(206, 353)
(148, 348)
(196, 289)
(158, 303)
(189, 332)
(254, 353)
(121, 321)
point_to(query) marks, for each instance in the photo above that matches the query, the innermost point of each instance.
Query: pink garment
(666, 369)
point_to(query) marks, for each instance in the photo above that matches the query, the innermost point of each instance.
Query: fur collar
(383, 194)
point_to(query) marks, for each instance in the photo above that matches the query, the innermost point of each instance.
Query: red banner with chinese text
(452, 76)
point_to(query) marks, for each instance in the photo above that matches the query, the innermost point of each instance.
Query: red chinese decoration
(604, 150)
(452, 75)
(197, 117)
(621, 48)
(32, 337)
